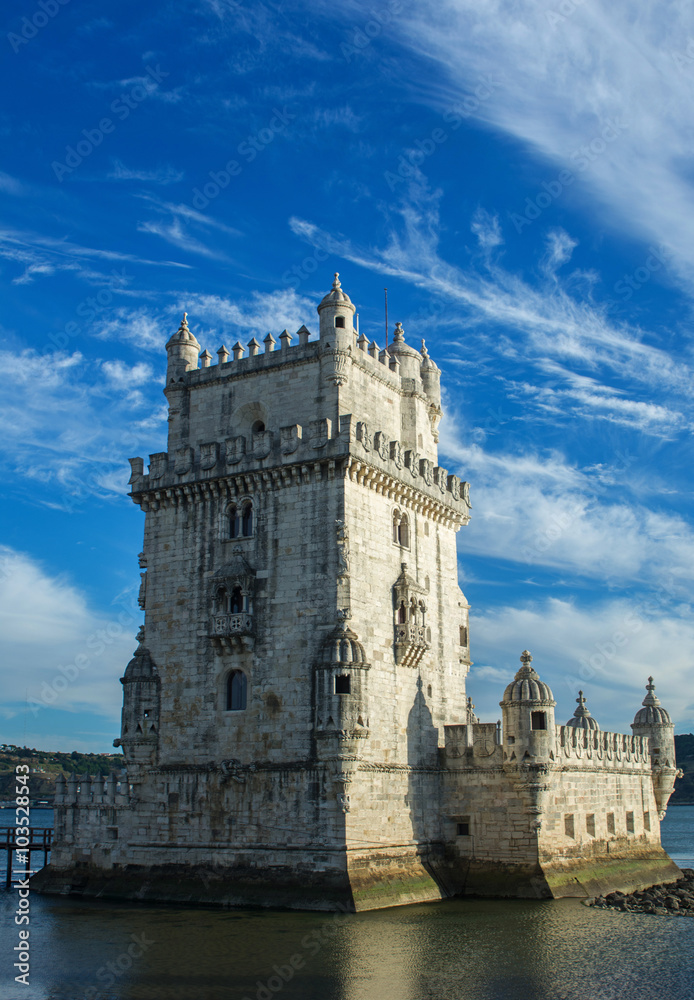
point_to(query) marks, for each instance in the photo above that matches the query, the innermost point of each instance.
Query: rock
(590, 901)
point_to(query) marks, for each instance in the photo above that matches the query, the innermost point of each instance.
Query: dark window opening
(610, 823)
(146, 713)
(241, 521)
(258, 427)
(402, 614)
(342, 684)
(236, 602)
(340, 322)
(463, 828)
(630, 822)
(236, 691)
(247, 520)
(429, 690)
(404, 531)
(538, 720)
(463, 635)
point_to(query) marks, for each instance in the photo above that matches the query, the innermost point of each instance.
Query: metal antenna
(386, 291)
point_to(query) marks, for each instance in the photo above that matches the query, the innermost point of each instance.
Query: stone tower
(295, 726)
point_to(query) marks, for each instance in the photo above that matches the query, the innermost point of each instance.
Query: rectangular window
(569, 824)
(610, 823)
(463, 827)
(630, 822)
(342, 684)
(538, 720)
(590, 824)
(647, 822)
(463, 635)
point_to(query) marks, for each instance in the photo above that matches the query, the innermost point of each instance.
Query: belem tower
(296, 729)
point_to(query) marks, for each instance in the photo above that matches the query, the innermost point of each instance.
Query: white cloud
(46, 626)
(486, 228)
(161, 175)
(608, 649)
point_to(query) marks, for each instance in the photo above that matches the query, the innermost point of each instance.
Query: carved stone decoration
(426, 471)
(142, 593)
(183, 461)
(137, 467)
(342, 549)
(236, 771)
(262, 444)
(396, 454)
(343, 799)
(208, 455)
(142, 561)
(321, 431)
(381, 445)
(454, 487)
(409, 619)
(412, 463)
(235, 449)
(441, 478)
(465, 492)
(158, 464)
(232, 624)
(290, 438)
(363, 435)
(335, 365)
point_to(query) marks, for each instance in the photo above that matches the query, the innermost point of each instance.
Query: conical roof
(526, 685)
(183, 335)
(582, 719)
(336, 297)
(652, 713)
(343, 646)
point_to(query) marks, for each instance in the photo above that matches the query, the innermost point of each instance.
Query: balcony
(232, 631)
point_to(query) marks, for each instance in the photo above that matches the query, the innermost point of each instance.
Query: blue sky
(518, 175)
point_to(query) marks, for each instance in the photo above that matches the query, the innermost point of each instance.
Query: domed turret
(140, 715)
(336, 316)
(410, 360)
(654, 722)
(182, 352)
(582, 719)
(528, 713)
(341, 690)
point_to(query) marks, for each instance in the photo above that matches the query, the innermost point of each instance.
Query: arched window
(396, 527)
(258, 427)
(236, 602)
(402, 614)
(404, 531)
(220, 601)
(247, 519)
(340, 322)
(241, 520)
(237, 687)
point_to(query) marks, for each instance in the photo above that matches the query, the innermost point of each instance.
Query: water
(454, 950)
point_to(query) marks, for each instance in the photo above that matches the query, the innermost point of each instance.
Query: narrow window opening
(590, 824)
(402, 614)
(538, 720)
(342, 684)
(236, 603)
(463, 635)
(146, 713)
(247, 520)
(463, 828)
(396, 526)
(404, 531)
(647, 822)
(610, 823)
(569, 824)
(630, 822)
(234, 522)
(429, 690)
(236, 691)
(258, 427)
(340, 322)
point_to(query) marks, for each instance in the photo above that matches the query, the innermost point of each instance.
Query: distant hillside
(684, 787)
(46, 766)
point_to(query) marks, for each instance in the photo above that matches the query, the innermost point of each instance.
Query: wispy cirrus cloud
(160, 175)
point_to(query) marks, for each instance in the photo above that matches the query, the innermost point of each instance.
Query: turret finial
(184, 322)
(651, 698)
(525, 657)
(423, 351)
(336, 280)
(399, 335)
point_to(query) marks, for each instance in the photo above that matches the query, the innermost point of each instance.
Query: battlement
(592, 746)
(85, 790)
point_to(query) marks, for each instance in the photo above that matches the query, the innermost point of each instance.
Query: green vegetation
(45, 767)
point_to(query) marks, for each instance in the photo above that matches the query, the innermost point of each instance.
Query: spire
(399, 335)
(336, 281)
(651, 698)
(582, 719)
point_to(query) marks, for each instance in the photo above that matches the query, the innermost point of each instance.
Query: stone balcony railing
(410, 644)
(230, 631)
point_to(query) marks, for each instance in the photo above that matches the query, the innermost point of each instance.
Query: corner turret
(582, 719)
(528, 714)
(337, 317)
(182, 352)
(654, 722)
(140, 717)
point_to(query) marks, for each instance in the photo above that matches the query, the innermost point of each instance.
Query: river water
(468, 949)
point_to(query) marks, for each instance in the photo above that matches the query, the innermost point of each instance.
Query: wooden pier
(39, 839)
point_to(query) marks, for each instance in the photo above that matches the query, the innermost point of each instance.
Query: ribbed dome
(527, 686)
(183, 335)
(336, 297)
(141, 667)
(582, 719)
(343, 647)
(652, 714)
